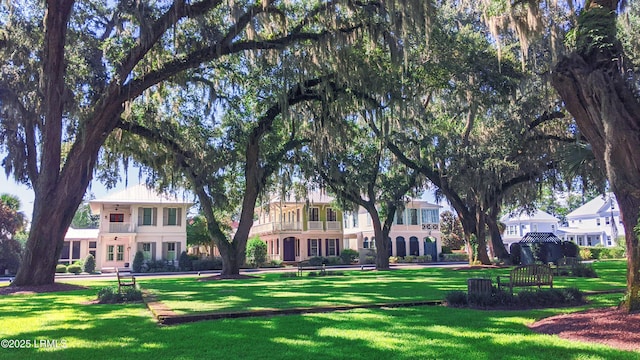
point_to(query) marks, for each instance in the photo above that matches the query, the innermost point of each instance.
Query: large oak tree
(70, 70)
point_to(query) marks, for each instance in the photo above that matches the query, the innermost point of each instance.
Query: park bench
(125, 278)
(527, 275)
(566, 264)
(306, 266)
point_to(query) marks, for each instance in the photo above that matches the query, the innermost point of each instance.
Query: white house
(519, 223)
(415, 230)
(595, 223)
(135, 219)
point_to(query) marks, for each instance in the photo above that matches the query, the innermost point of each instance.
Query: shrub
(524, 298)
(256, 251)
(369, 259)
(585, 253)
(455, 257)
(570, 249)
(316, 261)
(61, 268)
(333, 260)
(110, 295)
(456, 298)
(409, 258)
(393, 259)
(74, 269)
(207, 264)
(423, 258)
(138, 260)
(275, 263)
(348, 256)
(89, 265)
(446, 249)
(130, 294)
(159, 266)
(185, 262)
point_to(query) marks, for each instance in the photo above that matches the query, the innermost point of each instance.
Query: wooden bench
(125, 278)
(566, 264)
(527, 275)
(306, 266)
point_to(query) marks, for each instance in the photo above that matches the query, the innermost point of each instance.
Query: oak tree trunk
(592, 83)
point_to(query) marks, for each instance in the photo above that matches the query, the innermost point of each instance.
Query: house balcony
(275, 226)
(315, 225)
(121, 228)
(334, 225)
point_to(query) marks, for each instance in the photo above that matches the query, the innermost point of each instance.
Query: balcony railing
(276, 226)
(333, 225)
(121, 227)
(289, 226)
(315, 225)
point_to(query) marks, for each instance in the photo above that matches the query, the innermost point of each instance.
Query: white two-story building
(520, 223)
(597, 222)
(135, 219)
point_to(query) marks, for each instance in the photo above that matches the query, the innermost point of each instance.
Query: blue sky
(26, 194)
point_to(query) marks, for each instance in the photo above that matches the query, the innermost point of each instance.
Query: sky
(26, 195)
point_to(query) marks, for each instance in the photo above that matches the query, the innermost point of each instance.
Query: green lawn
(427, 332)
(271, 291)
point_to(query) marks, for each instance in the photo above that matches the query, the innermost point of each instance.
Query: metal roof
(540, 237)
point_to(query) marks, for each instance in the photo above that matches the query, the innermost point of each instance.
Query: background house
(298, 229)
(135, 219)
(519, 223)
(597, 222)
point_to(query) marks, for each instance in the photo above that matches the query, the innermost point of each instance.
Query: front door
(116, 252)
(289, 249)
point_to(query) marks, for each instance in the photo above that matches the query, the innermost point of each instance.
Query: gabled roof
(538, 215)
(138, 194)
(598, 205)
(540, 237)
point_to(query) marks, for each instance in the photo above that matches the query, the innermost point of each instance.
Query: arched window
(414, 246)
(401, 247)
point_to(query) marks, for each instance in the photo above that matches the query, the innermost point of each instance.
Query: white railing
(333, 225)
(275, 226)
(121, 227)
(290, 226)
(315, 225)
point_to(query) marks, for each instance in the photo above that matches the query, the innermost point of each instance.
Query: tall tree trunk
(592, 83)
(382, 243)
(483, 257)
(499, 250)
(54, 207)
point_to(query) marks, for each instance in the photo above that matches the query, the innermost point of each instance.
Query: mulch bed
(228, 277)
(29, 290)
(609, 326)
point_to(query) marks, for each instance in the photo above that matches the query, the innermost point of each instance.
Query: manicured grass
(129, 332)
(271, 291)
